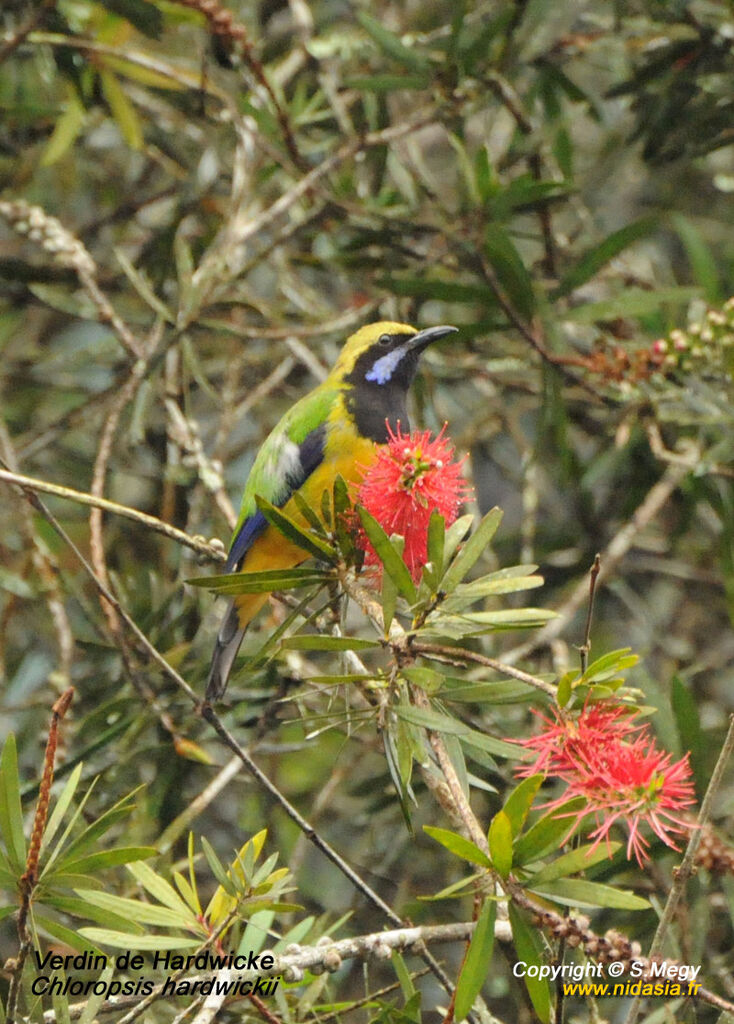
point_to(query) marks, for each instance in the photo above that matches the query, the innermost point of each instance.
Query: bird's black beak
(427, 337)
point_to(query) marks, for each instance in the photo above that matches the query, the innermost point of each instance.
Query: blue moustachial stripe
(385, 366)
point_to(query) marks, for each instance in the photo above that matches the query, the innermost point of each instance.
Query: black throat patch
(373, 405)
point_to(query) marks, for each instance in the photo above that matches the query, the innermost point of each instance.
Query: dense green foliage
(235, 194)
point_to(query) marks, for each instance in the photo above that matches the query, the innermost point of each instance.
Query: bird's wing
(289, 455)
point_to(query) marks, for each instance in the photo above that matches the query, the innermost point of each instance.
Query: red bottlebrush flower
(409, 478)
(614, 764)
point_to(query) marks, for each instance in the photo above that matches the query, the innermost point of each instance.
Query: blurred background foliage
(254, 182)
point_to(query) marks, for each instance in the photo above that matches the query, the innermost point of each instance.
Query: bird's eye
(384, 339)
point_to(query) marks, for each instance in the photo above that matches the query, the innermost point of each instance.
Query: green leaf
(510, 269)
(66, 130)
(176, 80)
(95, 999)
(548, 832)
(503, 581)
(217, 868)
(427, 679)
(86, 910)
(500, 748)
(433, 720)
(456, 889)
(399, 760)
(98, 827)
(387, 83)
(435, 541)
(520, 800)
(138, 912)
(500, 692)
(564, 690)
(609, 664)
(15, 584)
(389, 596)
(500, 843)
(61, 806)
(458, 845)
(126, 940)
(99, 861)
(260, 582)
(477, 962)
(472, 550)
(577, 892)
(143, 287)
(122, 110)
(390, 44)
(391, 560)
(309, 542)
(592, 262)
(703, 263)
(309, 515)
(580, 859)
(528, 948)
(144, 16)
(11, 812)
(66, 936)
(158, 887)
(403, 975)
(455, 534)
(310, 642)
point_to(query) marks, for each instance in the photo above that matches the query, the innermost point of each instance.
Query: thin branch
(327, 956)
(459, 656)
(211, 549)
(585, 647)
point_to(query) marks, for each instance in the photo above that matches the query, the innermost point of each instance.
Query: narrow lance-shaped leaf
(577, 892)
(529, 950)
(472, 550)
(391, 560)
(500, 843)
(309, 542)
(260, 582)
(11, 813)
(600, 255)
(458, 845)
(477, 962)
(547, 833)
(390, 44)
(580, 859)
(520, 801)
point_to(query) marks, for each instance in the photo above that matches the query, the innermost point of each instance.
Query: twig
(585, 647)
(458, 655)
(211, 549)
(96, 541)
(211, 716)
(224, 257)
(12, 43)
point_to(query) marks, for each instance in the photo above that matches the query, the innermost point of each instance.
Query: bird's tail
(229, 638)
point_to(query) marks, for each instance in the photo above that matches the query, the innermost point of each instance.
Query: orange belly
(272, 550)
